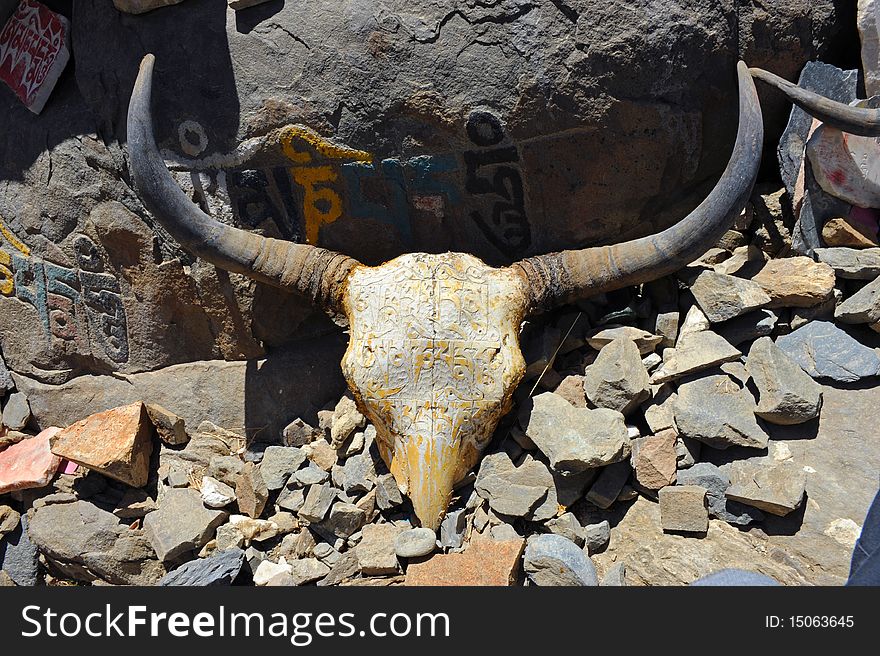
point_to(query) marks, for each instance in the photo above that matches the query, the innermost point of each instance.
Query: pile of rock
(666, 391)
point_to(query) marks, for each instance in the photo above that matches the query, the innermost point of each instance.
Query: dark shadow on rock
(248, 19)
(294, 381)
(788, 525)
(720, 457)
(805, 431)
(193, 80)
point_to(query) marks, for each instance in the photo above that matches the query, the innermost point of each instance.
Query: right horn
(855, 120)
(563, 277)
(316, 273)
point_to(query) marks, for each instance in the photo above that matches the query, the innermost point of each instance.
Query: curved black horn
(569, 275)
(855, 120)
(317, 273)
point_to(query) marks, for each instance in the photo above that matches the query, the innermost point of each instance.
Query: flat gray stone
(359, 474)
(219, 569)
(786, 394)
(716, 411)
(597, 536)
(526, 491)
(415, 543)
(552, 560)
(617, 380)
(748, 327)
(723, 297)
(181, 524)
(774, 487)
(452, 529)
(88, 543)
(574, 439)
(344, 520)
(825, 351)
(568, 527)
(377, 550)
(19, 556)
(317, 502)
(608, 485)
(16, 412)
(279, 463)
(694, 352)
(716, 482)
(683, 508)
(852, 263)
(387, 492)
(861, 307)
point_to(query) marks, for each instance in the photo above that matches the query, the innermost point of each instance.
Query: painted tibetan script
(33, 52)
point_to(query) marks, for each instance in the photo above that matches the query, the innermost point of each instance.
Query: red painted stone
(33, 52)
(29, 463)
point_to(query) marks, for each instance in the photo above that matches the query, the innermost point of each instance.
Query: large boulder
(502, 129)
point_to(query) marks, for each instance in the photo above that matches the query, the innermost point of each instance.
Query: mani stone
(861, 307)
(376, 551)
(116, 443)
(552, 560)
(88, 543)
(716, 411)
(716, 482)
(181, 524)
(608, 485)
(825, 351)
(655, 460)
(857, 264)
(16, 412)
(683, 508)
(170, 428)
(415, 543)
(786, 394)
(485, 562)
(617, 380)
(645, 341)
(776, 488)
(693, 353)
(218, 569)
(722, 297)
(279, 463)
(796, 282)
(29, 463)
(251, 491)
(574, 439)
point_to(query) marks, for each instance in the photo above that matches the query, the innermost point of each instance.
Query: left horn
(570, 275)
(315, 273)
(855, 120)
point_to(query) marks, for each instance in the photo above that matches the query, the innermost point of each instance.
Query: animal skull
(433, 357)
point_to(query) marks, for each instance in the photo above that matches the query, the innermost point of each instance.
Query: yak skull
(433, 356)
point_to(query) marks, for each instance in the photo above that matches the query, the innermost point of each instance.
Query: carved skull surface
(433, 360)
(434, 356)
